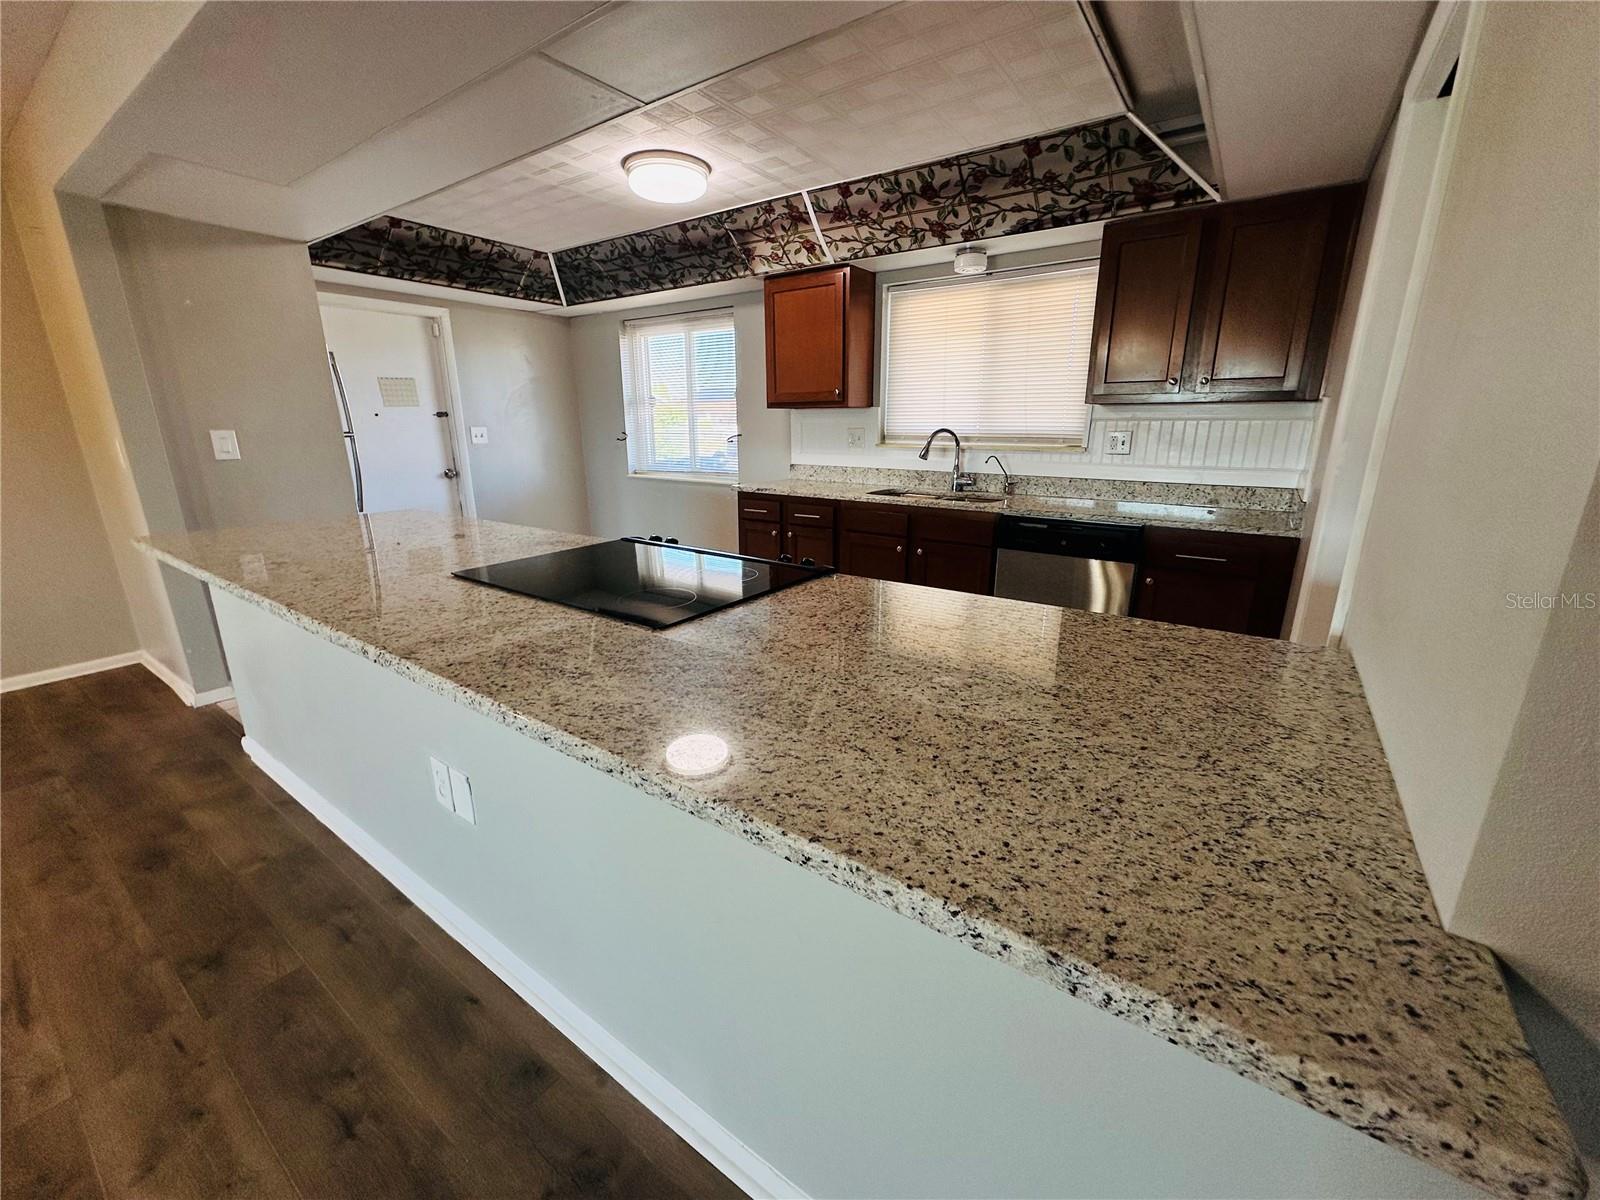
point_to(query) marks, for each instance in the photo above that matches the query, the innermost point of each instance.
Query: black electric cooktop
(645, 580)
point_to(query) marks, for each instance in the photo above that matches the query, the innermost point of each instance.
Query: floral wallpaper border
(1085, 173)
(401, 249)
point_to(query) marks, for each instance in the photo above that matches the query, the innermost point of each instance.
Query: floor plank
(238, 1004)
(47, 1158)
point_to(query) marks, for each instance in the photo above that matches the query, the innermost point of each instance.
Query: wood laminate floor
(207, 994)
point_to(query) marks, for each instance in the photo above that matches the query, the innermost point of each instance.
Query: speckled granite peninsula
(1194, 831)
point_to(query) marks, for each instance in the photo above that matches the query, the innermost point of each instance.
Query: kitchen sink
(963, 497)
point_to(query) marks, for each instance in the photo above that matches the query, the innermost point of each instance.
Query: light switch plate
(1119, 441)
(441, 784)
(480, 435)
(855, 438)
(224, 444)
(461, 793)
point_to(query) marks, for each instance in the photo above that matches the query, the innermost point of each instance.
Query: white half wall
(1477, 525)
(808, 1040)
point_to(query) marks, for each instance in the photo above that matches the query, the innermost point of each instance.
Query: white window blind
(679, 394)
(1001, 359)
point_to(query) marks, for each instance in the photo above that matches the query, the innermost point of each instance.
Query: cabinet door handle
(1201, 557)
(806, 516)
(919, 549)
(760, 512)
(900, 550)
(1172, 381)
(836, 393)
(791, 533)
(1204, 379)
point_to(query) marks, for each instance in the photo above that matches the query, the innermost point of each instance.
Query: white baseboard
(683, 1116)
(94, 666)
(15, 683)
(184, 689)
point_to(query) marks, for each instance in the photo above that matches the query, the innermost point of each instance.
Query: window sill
(729, 480)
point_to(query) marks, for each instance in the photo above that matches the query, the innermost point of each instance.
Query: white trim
(433, 291)
(184, 689)
(726, 480)
(93, 666)
(688, 1120)
(449, 380)
(816, 228)
(1173, 155)
(1445, 26)
(113, 662)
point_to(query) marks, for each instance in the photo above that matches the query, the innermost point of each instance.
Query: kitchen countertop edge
(1291, 1076)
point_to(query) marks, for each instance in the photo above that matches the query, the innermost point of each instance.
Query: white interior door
(393, 378)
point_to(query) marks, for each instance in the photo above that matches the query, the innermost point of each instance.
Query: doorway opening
(394, 380)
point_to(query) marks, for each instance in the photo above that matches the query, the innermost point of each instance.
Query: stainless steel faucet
(995, 459)
(959, 482)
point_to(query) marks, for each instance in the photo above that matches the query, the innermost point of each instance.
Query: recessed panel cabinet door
(805, 339)
(1260, 292)
(874, 555)
(954, 566)
(1142, 306)
(809, 541)
(1195, 598)
(820, 339)
(760, 539)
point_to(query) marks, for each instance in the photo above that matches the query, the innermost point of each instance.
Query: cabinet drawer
(970, 529)
(755, 507)
(1215, 553)
(871, 518)
(800, 513)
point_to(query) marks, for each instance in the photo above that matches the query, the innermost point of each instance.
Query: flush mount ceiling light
(970, 260)
(666, 176)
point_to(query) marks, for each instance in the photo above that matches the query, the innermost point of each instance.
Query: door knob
(899, 549)
(919, 549)
(1204, 379)
(1172, 381)
(450, 472)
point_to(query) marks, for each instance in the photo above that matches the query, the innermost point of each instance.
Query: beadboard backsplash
(1260, 445)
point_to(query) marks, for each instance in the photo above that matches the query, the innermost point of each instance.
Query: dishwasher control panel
(1105, 540)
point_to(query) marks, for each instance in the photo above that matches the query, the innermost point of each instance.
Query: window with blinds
(679, 394)
(1003, 359)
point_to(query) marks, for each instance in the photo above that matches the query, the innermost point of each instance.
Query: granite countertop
(1192, 830)
(1130, 512)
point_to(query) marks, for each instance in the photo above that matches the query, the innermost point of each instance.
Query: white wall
(700, 514)
(63, 603)
(1480, 498)
(515, 371)
(1254, 444)
(99, 56)
(231, 338)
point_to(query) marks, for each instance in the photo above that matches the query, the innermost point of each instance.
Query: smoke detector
(971, 261)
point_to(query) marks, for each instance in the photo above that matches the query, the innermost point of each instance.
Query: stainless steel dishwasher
(1073, 564)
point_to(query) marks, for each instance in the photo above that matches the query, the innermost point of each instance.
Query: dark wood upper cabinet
(1141, 314)
(1230, 302)
(820, 338)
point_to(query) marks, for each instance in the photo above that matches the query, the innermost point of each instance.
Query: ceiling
(1301, 91)
(909, 83)
(27, 28)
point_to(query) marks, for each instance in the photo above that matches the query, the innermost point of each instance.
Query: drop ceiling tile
(911, 82)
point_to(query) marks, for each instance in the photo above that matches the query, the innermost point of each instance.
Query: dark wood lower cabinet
(955, 566)
(1236, 582)
(873, 555)
(760, 539)
(803, 542)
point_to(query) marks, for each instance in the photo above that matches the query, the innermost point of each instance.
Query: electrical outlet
(1119, 441)
(855, 438)
(480, 435)
(441, 784)
(224, 444)
(461, 793)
